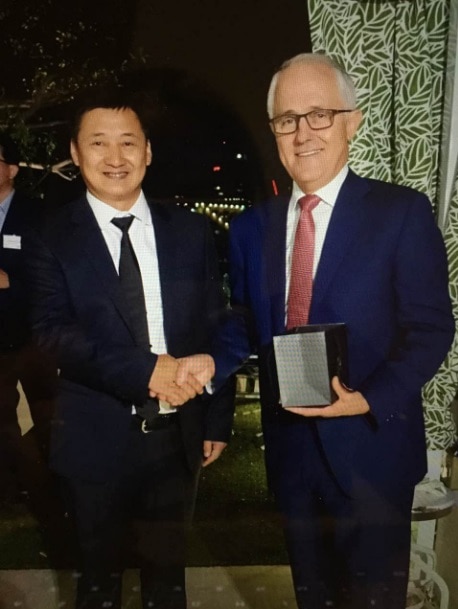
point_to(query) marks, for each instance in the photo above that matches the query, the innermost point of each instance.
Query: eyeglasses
(316, 120)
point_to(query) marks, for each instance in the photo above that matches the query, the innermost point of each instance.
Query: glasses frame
(297, 118)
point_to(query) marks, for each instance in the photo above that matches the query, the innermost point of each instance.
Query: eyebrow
(100, 133)
(314, 108)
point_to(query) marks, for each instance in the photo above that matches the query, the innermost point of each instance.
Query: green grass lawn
(21, 544)
(235, 521)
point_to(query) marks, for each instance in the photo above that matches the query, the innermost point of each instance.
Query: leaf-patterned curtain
(396, 53)
(440, 427)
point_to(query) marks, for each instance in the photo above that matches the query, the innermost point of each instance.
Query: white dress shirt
(321, 217)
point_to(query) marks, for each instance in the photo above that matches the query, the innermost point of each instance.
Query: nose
(303, 130)
(114, 156)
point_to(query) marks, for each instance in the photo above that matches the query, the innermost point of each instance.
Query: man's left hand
(348, 404)
(212, 451)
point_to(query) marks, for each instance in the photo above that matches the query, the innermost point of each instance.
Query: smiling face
(112, 153)
(313, 158)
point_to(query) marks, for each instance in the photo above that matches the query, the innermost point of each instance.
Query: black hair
(9, 150)
(115, 98)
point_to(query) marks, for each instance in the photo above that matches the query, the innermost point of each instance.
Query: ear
(13, 171)
(149, 153)
(74, 152)
(352, 123)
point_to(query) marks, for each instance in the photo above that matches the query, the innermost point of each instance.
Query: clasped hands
(176, 381)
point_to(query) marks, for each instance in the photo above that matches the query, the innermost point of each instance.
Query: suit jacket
(383, 272)
(22, 214)
(78, 314)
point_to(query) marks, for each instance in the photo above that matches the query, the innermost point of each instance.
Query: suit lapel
(274, 248)
(346, 221)
(91, 244)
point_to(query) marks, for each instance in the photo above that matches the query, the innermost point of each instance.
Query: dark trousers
(24, 473)
(21, 458)
(142, 508)
(345, 552)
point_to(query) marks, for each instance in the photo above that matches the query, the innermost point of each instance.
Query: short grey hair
(344, 81)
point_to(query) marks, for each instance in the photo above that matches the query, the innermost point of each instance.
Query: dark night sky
(234, 47)
(220, 54)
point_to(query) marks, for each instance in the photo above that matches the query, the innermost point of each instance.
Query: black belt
(161, 421)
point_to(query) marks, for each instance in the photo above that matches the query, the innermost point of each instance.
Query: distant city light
(217, 168)
(219, 212)
(239, 156)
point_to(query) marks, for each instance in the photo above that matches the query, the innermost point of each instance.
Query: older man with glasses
(352, 250)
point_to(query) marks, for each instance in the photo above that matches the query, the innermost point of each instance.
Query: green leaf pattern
(396, 53)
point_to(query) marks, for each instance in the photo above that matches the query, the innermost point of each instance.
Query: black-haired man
(120, 451)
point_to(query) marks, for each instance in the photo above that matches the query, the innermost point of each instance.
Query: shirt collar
(328, 193)
(104, 213)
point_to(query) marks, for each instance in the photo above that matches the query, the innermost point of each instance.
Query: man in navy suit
(344, 474)
(120, 452)
(20, 360)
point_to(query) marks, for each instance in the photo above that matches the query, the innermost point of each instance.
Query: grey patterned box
(307, 358)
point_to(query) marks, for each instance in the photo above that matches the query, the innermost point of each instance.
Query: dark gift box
(307, 358)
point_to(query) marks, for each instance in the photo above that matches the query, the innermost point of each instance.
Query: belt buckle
(144, 427)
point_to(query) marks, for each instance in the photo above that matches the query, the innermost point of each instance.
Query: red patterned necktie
(301, 281)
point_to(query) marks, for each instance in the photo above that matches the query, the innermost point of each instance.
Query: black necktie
(131, 283)
(130, 279)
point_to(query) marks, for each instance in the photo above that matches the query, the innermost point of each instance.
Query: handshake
(176, 381)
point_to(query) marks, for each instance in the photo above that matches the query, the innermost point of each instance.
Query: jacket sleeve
(220, 413)
(423, 315)
(103, 363)
(234, 343)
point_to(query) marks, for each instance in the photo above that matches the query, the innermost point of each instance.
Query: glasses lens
(285, 124)
(320, 119)
(316, 119)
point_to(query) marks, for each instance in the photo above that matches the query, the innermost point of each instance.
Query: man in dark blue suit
(20, 360)
(344, 474)
(121, 452)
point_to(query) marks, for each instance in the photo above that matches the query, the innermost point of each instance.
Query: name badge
(12, 242)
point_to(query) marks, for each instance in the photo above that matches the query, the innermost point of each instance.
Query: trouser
(38, 377)
(149, 492)
(24, 472)
(345, 552)
(23, 459)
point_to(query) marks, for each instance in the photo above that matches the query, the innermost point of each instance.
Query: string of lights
(220, 212)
